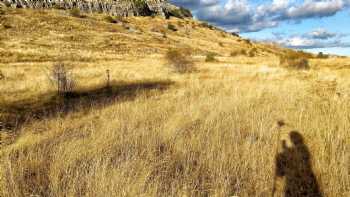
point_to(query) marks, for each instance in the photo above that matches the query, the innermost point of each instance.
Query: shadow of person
(294, 164)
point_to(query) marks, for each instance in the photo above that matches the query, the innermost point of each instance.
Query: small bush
(248, 42)
(294, 62)
(76, 13)
(322, 56)
(172, 27)
(252, 52)
(234, 34)
(210, 57)
(180, 60)
(110, 19)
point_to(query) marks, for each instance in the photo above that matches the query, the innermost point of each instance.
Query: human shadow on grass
(294, 163)
(13, 116)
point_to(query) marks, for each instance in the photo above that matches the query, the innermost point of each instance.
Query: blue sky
(311, 25)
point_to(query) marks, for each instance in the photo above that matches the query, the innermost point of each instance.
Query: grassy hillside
(156, 132)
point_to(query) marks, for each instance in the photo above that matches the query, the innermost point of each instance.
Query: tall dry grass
(211, 133)
(213, 136)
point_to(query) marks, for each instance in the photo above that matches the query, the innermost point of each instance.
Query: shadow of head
(296, 138)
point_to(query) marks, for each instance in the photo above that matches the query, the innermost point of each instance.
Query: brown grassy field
(212, 132)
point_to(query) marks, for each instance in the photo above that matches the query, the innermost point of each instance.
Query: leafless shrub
(211, 57)
(294, 61)
(180, 60)
(252, 52)
(62, 78)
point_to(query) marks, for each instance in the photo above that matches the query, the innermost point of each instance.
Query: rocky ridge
(123, 8)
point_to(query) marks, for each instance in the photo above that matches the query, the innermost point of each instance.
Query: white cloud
(312, 8)
(318, 38)
(243, 16)
(321, 33)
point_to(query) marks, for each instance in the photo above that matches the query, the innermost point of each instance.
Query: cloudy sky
(312, 25)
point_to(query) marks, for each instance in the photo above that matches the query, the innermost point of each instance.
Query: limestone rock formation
(111, 7)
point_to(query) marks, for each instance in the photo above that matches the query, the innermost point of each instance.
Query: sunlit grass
(211, 132)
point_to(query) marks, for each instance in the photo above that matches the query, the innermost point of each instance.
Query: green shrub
(172, 27)
(110, 19)
(76, 13)
(210, 57)
(322, 56)
(180, 60)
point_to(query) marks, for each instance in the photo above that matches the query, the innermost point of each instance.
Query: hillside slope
(61, 35)
(134, 127)
(125, 8)
(42, 38)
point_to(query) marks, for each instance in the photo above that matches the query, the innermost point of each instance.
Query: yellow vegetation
(156, 132)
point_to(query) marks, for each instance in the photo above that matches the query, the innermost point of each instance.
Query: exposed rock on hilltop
(111, 7)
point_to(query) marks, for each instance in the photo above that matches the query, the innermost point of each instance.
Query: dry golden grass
(212, 132)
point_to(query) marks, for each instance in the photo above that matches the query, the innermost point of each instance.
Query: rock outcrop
(112, 7)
